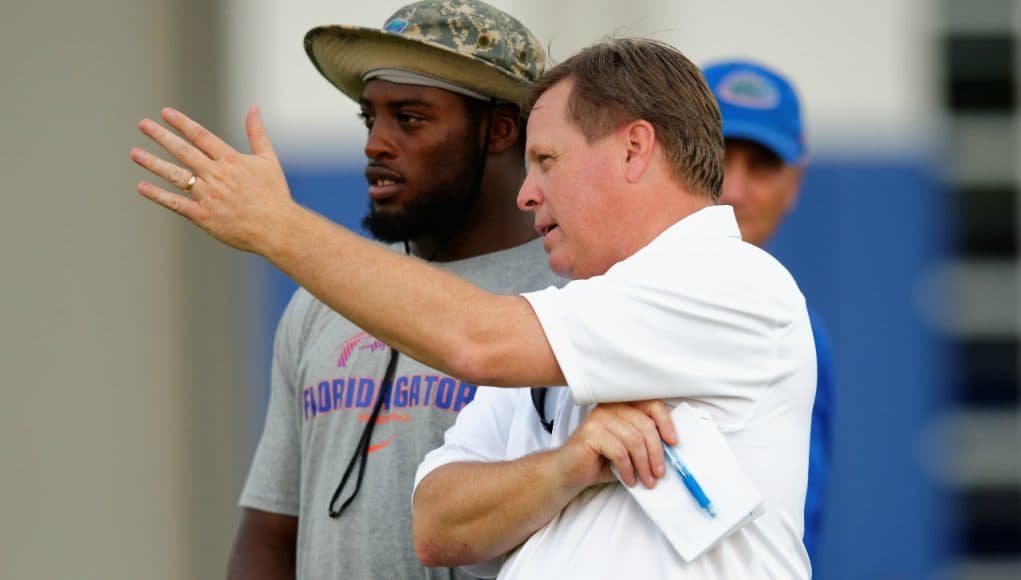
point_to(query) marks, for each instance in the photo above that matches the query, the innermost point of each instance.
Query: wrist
(283, 236)
(569, 478)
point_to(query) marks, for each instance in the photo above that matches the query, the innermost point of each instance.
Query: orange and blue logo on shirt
(371, 344)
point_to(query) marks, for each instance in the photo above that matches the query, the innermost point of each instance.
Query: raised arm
(497, 506)
(437, 318)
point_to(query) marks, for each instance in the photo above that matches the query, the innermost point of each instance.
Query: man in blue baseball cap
(765, 149)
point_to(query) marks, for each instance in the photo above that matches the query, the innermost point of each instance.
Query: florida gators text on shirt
(357, 393)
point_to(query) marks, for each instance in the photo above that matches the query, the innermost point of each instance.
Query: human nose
(378, 144)
(529, 196)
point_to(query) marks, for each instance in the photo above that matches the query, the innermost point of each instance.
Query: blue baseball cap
(758, 104)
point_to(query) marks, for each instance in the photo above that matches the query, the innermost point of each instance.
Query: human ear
(797, 174)
(640, 142)
(504, 129)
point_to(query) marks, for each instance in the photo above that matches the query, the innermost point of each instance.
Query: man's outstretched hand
(241, 200)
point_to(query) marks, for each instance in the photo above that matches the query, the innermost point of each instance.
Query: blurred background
(134, 351)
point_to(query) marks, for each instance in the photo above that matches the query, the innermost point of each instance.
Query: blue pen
(689, 480)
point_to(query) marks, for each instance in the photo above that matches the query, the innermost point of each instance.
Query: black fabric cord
(361, 454)
(539, 402)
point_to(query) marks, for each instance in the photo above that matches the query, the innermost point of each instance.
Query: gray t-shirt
(325, 378)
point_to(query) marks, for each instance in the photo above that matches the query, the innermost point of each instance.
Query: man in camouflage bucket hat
(439, 88)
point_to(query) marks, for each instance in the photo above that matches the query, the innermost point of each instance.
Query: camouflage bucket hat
(465, 42)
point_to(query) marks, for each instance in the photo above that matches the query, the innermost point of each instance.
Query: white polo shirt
(697, 315)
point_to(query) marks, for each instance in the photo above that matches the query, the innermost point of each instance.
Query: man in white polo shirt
(695, 315)
(625, 158)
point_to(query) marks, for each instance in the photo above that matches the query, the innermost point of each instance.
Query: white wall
(865, 69)
(117, 361)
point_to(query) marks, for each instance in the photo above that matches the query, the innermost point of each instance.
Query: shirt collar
(712, 221)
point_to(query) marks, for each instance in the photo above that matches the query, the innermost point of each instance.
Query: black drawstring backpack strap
(361, 454)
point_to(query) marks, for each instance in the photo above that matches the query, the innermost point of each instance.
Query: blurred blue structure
(864, 235)
(339, 193)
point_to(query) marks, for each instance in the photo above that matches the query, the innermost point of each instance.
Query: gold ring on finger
(190, 184)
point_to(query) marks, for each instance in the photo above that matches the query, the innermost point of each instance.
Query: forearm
(495, 507)
(467, 513)
(265, 547)
(243, 200)
(261, 564)
(430, 315)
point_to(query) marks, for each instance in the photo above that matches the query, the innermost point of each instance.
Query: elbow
(438, 540)
(492, 344)
(426, 541)
(429, 552)
(478, 364)
(436, 546)
(440, 532)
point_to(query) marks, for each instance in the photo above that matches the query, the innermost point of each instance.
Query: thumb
(257, 137)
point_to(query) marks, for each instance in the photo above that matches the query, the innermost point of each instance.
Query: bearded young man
(349, 419)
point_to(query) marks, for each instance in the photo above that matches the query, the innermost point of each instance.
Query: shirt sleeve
(273, 483)
(666, 328)
(480, 432)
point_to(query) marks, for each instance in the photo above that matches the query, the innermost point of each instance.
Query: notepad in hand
(707, 456)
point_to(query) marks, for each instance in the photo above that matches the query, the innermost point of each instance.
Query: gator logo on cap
(397, 25)
(748, 89)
